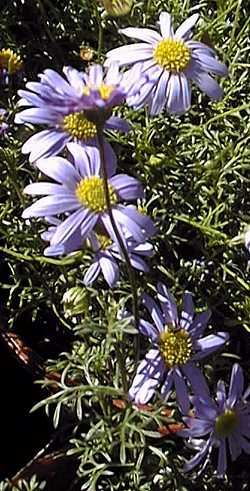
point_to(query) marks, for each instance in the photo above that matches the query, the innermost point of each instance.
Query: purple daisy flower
(177, 346)
(3, 125)
(80, 194)
(226, 420)
(170, 61)
(60, 104)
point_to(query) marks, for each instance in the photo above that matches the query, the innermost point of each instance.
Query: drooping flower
(177, 346)
(170, 60)
(10, 64)
(62, 105)
(226, 420)
(3, 125)
(106, 252)
(103, 91)
(79, 193)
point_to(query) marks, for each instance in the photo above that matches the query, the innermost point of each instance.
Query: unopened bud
(75, 301)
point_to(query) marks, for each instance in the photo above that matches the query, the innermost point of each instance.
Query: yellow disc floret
(172, 54)
(10, 61)
(77, 125)
(104, 90)
(104, 241)
(90, 192)
(175, 347)
(226, 423)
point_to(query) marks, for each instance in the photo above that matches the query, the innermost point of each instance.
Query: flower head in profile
(3, 125)
(79, 194)
(177, 345)
(106, 252)
(105, 90)
(66, 107)
(107, 255)
(170, 60)
(226, 420)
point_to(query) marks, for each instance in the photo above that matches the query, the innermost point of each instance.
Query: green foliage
(23, 485)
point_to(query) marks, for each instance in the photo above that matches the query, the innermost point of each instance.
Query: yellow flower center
(90, 192)
(10, 60)
(172, 54)
(175, 347)
(104, 241)
(77, 125)
(226, 423)
(105, 91)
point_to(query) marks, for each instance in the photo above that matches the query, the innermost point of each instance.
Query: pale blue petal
(127, 188)
(209, 344)
(60, 170)
(154, 311)
(168, 304)
(236, 385)
(196, 379)
(51, 205)
(86, 159)
(147, 35)
(166, 25)
(208, 85)
(110, 269)
(148, 330)
(44, 188)
(187, 312)
(181, 391)
(183, 31)
(222, 460)
(131, 53)
(198, 457)
(65, 230)
(159, 98)
(92, 273)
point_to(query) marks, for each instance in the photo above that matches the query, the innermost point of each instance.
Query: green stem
(117, 234)
(100, 35)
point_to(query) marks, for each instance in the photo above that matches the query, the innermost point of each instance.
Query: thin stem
(100, 35)
(116, 231)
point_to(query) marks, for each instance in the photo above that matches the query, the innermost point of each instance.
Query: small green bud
(75, 301)
(156, 160)
(117, 8)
